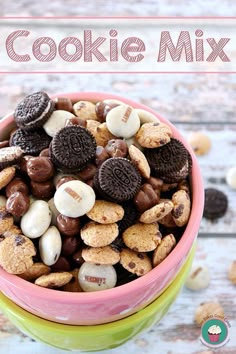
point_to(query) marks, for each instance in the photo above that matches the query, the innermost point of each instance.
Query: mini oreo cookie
(216, 204)
(72, 148)
(168, 159)
(31, 142)
(180, 175)
(10, 156)
(118, 179)
(33, 111)
(130, 216)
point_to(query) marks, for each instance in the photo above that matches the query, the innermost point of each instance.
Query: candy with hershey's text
(74, 199)
(95, 277)
(123, 121)
(36, 220)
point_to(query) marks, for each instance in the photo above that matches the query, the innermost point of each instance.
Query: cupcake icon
(214, 333)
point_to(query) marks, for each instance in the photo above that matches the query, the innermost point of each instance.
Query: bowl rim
(173, 289)
(166, 265)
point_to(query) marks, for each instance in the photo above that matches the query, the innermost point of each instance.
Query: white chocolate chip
(50, 246)
(94, 277)
(74, 199)
(146, 116)
(56, 121)
(54, 211)
(36, 220)
(199, 278)
(123, 121)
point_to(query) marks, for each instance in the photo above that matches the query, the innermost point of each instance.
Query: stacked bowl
(91, 321)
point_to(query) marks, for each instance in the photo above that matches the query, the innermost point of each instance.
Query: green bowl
(98, 337)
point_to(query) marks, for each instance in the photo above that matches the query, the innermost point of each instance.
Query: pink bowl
(113, 304)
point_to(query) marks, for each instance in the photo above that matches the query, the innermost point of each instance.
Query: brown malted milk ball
(40, 169)
(207, 309)
(101, 155)
(200, 143)
(42, 190)
(70, 245)
(64, 180)
(68, 226)
(117, 148)
(18, 204)
(63, 103)
(16, 185)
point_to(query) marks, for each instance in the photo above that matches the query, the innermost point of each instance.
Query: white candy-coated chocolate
(54, 211)
(36, 220)
(146, 117)
(50, 246)
(199, 277)
(95, 277)
(56, 121)
(3, 201)
(74, 199)
(123, 121)
(231, 177)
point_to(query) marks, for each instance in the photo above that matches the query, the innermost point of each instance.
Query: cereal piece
(13, 231)
(35, 271)
(99, 235)
(50, 246)
(117, 148)
(142, 237)
(123, 121)
(200, 143)
(18, 204)
(101, 255)
(105, 212)
(232, 272)
(134, 262)
(85, 110)
(73, 285)
(94, 277)
(146, 198)
(157, 212)
(146, 116)
(163, 250)
(36, 220)
(182, 207)
(16, 252)
(231, 177)
(54, 280)
(207, 309)
(140, 161)
(74, 199)
(199, 278)
(6, 220)
(56, 121)
(152, 135)
(6, 176)
(103, 135)
(216, 203)
(92, 126)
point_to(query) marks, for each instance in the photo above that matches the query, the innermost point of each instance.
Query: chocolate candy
(102, 109)
(101, 155)
(95, 277)
(74, 199)
(70, 245)
(40, 169)
(68, 226)
(17, 204)
(117, 148)
(42, 190)
(63, 103)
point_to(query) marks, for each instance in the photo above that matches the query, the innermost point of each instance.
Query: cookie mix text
(187, 48)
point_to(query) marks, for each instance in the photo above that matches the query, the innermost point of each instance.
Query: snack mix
(92, 194)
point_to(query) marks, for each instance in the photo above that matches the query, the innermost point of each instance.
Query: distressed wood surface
(191, 102)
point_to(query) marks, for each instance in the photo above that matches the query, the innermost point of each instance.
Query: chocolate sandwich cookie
(31, 142)
(118, 179)
(168, 160)
(176, 177)
(72, 148)
(33, 111)
(10, 156)
(130, 216)
(216, 204)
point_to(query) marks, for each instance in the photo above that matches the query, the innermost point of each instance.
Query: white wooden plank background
(192, 102)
